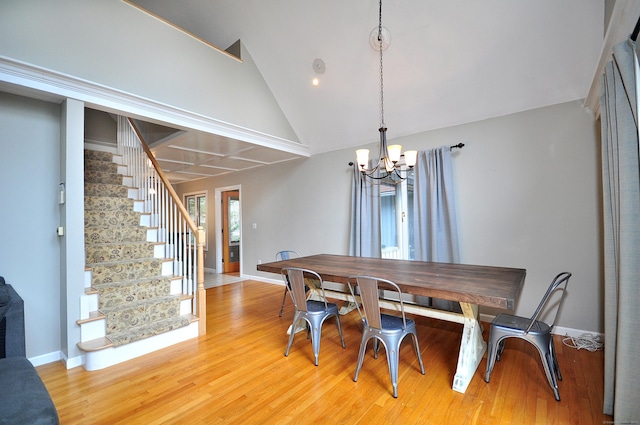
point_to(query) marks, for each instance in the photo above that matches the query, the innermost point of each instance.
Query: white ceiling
(450, 62)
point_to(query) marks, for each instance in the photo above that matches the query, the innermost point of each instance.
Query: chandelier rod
(382, 125)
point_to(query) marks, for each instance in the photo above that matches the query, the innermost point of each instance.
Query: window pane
(234, 220)
(202, 211)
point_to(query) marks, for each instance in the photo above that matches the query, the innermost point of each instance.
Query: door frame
(218, 223)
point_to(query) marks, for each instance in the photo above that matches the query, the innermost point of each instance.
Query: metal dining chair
(313, 311)
(385, 328)
(281, 256)
(533, 330)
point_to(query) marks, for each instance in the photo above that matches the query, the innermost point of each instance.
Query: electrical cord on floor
(585, 341)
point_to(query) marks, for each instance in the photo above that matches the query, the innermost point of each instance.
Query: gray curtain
(435, 228)
(365, 240)
(621, 214)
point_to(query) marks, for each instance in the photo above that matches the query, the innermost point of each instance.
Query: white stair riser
(158, 251)
(87, 278)
(93, 330)
(145, 220)
(185, 307)
(167, 268)
(176, 287)
(88, 303)
(152, 235)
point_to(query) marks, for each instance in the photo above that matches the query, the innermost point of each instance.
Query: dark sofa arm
(25, 399)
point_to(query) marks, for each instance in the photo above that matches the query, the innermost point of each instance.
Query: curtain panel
(435, 227)
(365, 239)
(621, 215)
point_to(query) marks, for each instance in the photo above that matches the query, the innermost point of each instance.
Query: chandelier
(389, 167)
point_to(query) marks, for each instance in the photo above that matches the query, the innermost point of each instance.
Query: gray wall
(117, 45)
(30, 249)
(528, 196)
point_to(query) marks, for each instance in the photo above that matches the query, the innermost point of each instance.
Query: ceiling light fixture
(318, 68)
(389, 167)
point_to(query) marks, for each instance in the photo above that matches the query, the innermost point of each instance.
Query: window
(234, 220)
(396, 219)
(196, 204)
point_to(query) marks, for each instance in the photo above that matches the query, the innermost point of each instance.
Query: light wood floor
(237, 374)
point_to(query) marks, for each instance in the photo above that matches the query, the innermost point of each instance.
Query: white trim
(623, 19)
(46, 358)
(53, 85)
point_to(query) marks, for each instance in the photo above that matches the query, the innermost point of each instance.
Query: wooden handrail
(198, 232)
(165, 180)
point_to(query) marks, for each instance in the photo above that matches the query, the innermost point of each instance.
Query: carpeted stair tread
(98, 165)
(107, 203)
(98, 155)
(106, 189)
(125, 270)
(112, 218)
(114, 251)
(106, 234)
(121, 293)
(102, 177)
(145, 331)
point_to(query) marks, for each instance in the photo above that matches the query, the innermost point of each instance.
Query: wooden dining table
(469, 285)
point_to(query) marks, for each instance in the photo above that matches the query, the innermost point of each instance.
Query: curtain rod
(458, 146)
(636, 30)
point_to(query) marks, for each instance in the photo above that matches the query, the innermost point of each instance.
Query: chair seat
(513, 323)
(392, 323)
(314, 306)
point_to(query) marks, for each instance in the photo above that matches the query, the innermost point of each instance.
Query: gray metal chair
(314, 312)
(533, 330)
(281, 256)
(388, 329)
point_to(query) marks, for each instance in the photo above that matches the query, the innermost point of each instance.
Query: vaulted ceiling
(449, 63)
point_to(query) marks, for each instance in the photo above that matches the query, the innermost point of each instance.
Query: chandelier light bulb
(410, 158)
(362, 157)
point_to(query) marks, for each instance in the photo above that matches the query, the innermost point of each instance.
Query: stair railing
(183, 240)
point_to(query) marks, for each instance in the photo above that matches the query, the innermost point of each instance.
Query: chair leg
(492, 354)
(340, 331)
(284, 298)
(556, 368)
(315, 340)
(363, 348)
(416, 346)
(376, 347)
(392, 359)
(547, 363)
(296, 317)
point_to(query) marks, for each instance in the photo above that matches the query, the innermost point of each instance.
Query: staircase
(134, 302)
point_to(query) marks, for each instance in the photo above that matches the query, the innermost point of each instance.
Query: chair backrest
(297, 278)
(556, 292)
(285, 255)
(369, 289)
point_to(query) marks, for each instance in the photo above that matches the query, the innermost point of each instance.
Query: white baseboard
(46, 358)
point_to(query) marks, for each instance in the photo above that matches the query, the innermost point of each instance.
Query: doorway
(228, 230)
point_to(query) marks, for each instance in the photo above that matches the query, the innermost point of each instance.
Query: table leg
(472, 348)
